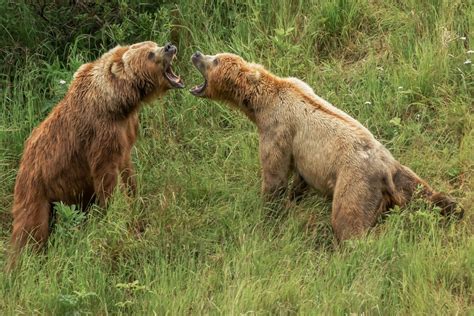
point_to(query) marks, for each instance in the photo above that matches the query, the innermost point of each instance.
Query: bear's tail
(408, 185)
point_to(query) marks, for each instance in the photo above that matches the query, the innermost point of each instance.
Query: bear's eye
(215, 62)
(151, 55)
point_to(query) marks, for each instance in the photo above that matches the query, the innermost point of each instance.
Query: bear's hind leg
(355, 207)
(30, 223)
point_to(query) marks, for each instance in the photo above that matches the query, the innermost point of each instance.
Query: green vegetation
(198, 240)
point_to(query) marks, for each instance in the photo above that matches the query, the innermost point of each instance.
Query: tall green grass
(198, 239)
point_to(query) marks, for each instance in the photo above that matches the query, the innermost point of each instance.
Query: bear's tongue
(173, 79)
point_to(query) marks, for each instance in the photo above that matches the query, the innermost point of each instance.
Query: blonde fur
(323, 146)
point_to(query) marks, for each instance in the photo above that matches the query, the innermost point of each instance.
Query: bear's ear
(84, 69)
(117, 68)
(253, 76)
(112, 51)
(254, 73)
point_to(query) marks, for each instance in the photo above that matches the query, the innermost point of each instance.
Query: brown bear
(78, 152)
(325, 148)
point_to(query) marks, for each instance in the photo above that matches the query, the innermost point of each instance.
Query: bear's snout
(196, 56)
(170, 49)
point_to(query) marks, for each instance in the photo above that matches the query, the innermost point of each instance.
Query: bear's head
(228, 77)
(142, 70)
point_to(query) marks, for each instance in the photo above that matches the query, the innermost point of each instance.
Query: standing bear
(325, 148)
(77, 154)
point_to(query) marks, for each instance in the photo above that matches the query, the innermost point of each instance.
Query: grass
(197, 239)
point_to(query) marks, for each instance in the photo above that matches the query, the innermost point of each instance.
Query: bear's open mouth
(173, 79)
(198, 90)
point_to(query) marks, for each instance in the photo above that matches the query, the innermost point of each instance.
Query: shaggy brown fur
(78, 152)
(325, 147)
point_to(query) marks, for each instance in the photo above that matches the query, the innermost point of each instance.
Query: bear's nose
(196, 56)
(169, 48)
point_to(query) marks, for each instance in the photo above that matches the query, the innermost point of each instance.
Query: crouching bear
(326, 148)
(77, 154)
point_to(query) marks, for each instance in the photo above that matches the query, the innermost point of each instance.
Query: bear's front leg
(299, 188)
(127, 173)
(105, 178)
(275, 158)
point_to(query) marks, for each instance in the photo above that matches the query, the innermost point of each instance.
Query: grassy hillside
(197, 240)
